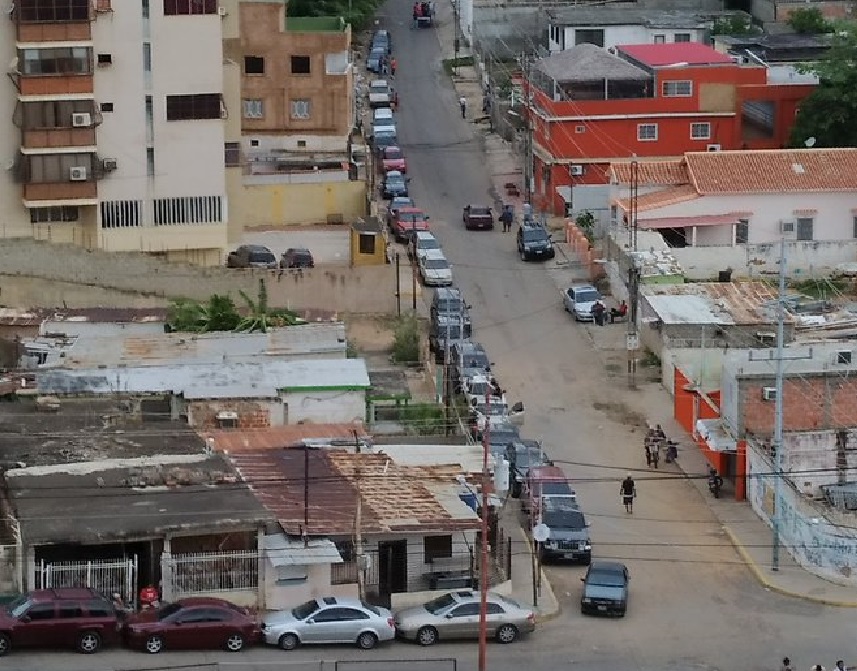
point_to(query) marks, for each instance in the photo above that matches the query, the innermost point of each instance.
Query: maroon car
(198, 622)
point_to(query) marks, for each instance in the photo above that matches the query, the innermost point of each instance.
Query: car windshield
(378, 88)
(479, 211)
(533, 235)
(563, 518)
(169, 609)
(449, 305)
(495, 408)
(528, 457)
(412, 217)
(428, 243)
(400, 202)
(306, 609)
(393, 152)
(478, 388)
(443, 602)
(506, 600)
(378, 51)
(19, 606)
(453, 331)
(261, 257)
(370, 608)
(475, 361)
(554, 488)
(587, 296)
(395, 179)
(606, 578)
(436, 264)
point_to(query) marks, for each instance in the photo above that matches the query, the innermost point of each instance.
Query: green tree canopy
(808, 21)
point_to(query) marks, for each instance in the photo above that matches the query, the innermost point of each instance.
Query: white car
(380, 93)
(435, 269)
(421, 243)
(579, 300)
(382, 114)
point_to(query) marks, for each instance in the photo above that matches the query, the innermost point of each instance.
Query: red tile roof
(652, 173)
(675, 53)
(773, 171)
(236, 441)
(658, 199)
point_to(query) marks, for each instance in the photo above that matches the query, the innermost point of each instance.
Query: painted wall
(280, 594)
(822, 540)
(324, 407)
(629, 34)
(289, 204)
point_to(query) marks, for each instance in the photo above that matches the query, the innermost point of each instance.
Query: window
(146, 9)
(69, 611)
(580, 129)
(466, 610)
(41, 612)
(31, 11)
(106, 107)
(676, 89)
(437, 547)
(254, 143)
(494, 608)
(47, 114)
(99, 609)
(147, 56)
(254, 109)
(121, 213)
(56, 61)
(301, 109)
(189, 7)
(105, 59)
(232, 154)
(366, 243)
(49, 215)
(589, 36)
(660, 39)
(55, 168)
(254, 65)
(682, 37)
(804, 228)
(194, 106)
(150, 120)
(647, 132)
(855, 227)
(742, 232)
(700, 131)
(150, 161)
(188, 210)
(300, 65)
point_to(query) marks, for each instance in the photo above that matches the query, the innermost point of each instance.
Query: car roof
(434, 254)
(394, 174)
(64, 593)
(408, 210)
(378, 82)
(256, 248)
(326, 601)
(547, 473)
(425, 235)
(583, 287)
(191, 601)
(297, 250)
(600, 566)
(442, 291)
(478, 207)
(392, 146)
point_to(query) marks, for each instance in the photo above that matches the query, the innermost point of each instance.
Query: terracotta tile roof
(750, 302)
(773, 171)
(658, 199)
(394, 498)
(236, 441)
(652, 173)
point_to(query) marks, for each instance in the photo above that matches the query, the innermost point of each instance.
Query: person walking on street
(506, 218)
(416, 14)
(656, 452)
(648, 453)
(462, 103)
(628, 492)
(393, 67)
(598, 313)
(787, 665)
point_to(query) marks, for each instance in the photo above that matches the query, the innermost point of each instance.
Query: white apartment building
(116, 125)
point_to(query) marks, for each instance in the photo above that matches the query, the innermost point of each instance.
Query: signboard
(633, 342)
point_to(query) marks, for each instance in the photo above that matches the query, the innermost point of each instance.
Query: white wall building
(115, 138)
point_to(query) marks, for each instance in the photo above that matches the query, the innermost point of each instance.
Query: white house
(742, 203)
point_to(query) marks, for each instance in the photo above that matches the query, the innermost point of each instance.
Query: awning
(283, 550)
(715, 435)
(698, 220)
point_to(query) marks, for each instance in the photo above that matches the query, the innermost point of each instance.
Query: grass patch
(823, 289)
(449, 64)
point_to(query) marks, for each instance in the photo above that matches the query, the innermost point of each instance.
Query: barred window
(53, 10)
(189, 7)
(47, 215)
(121, 213)
(194, 106)
(188, 210)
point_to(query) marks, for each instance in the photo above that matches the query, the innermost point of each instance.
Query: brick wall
(251, 414)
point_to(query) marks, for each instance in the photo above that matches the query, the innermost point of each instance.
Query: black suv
(446, 330)
(534, 242)
(449, 301)
(468, 359)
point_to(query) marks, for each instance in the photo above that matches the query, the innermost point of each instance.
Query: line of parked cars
(85, 620)
(259, 256)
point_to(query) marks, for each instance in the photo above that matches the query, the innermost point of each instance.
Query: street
(693, 603)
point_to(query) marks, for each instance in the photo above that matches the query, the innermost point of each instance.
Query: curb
(552, 615)
(763, 579)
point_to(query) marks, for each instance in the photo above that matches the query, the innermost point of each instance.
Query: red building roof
(675, 53)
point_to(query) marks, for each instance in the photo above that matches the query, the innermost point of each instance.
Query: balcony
(54, 32)
(42, 85)
(60, 191)
(51, 138)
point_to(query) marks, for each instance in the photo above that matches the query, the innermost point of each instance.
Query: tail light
(391, 622)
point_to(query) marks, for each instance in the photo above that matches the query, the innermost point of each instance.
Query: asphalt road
(693, 605)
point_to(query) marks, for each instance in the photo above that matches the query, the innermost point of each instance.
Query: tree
(406, 341)
(808, 21)
(218, 314)
(735, 24)
(828, 114)
(586, 223)
(260, 318)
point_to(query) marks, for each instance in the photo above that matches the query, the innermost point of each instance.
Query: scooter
(715, 482)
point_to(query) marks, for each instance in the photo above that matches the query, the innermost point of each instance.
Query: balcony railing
(61, 191)
(80, 31)
(51, 138)
(55, 84)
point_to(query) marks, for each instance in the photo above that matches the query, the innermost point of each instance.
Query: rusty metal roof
(395, 498)
(237, 441)
(749, 302)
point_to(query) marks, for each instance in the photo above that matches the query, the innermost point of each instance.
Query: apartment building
(115, 126)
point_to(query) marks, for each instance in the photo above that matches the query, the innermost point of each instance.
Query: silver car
(456, 615)
(329, 620)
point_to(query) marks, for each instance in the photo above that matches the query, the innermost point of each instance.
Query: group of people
(654, 441)
(839, 666)
(421, 10)
(388, 66)
(600, 315)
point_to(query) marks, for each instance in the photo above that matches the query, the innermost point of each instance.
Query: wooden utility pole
(358, 524)
(483, 564)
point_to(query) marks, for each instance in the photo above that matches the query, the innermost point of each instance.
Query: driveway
(329, 244)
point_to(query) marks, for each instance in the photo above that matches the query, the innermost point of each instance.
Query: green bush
(406, 341)
(424, 419)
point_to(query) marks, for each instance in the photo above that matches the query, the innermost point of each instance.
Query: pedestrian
(385, 66)
(648, 449)
(787, 665)
(598, 313)
(462, 103)
(628, 491)
(817, 667)
(394, 103)
(840, 666)
(506, 218)
(656, 452)
(416, 14)
(393, 67)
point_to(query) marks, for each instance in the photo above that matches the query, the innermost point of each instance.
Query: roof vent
(798, 168)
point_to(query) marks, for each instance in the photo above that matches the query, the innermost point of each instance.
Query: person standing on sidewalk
(393, 67)
(628, 491)
(648, 446)
(787, 665)
(462, 103)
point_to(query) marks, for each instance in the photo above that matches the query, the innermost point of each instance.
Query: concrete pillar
(693, 236)
(261, 581)
(167, 592)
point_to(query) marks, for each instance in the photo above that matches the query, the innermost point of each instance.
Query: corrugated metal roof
(586, 63)
(237, 441)
(675, 53)
(713, 302)
(283, 550)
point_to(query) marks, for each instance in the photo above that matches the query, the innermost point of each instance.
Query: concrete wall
(810, 458)
(630, 34)
(324, 406)
(280, 594)
(31, 277)
(822, 540)
(291, 204)
(251, 414)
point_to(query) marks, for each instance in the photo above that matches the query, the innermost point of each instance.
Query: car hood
(585, 307)
(416, 615)
(279, 619)
(568, 535)
(6, 620)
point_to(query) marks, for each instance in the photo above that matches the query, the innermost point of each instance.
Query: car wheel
(5, 645)
(289, 641)
(427, 636)
(367, 640)
(89, 642)
(235, 642)
(154, 644)
(507, 633)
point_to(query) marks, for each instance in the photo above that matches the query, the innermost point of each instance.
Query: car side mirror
(310, 620)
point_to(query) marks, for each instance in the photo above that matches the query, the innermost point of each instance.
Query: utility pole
(358, 523)
(398, 286)
(483, 564)
(633, 338)
(447, 400)
(414, 262)
(530, 150)
(306, 497)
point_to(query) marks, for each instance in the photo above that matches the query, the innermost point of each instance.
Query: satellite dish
(810, 142)
(541, 532)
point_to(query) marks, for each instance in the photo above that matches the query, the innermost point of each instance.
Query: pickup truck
(407, 221)
(478, 217)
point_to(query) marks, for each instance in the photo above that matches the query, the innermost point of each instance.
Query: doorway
(392, 568)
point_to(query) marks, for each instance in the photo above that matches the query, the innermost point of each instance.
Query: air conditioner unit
(576, 170)
(108, 164)
(787, 227)
(769, 393)
(713, 147)
(81, 120)
(221, 11)
(77, 173)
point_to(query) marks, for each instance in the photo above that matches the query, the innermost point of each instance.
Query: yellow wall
(291, 204)
(379, 258)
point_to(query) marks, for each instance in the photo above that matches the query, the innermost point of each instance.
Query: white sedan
(435, 269)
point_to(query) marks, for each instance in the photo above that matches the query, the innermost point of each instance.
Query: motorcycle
(715, 482)
(671, 451)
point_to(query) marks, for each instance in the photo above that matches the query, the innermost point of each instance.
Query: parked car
(297, 257)
(523, 455)
(434, 269)
(455, 615)
(426, 17)
(380, 93)
(503, 433)
(382, 114)
(380, 141)
(251, 256)
(569, 532)
(375, 58)
(534, 242)
(478, 386)
(449, 301)
(329, 620)
(478, 216)
(421, 242)
(408, 221)
(544, 481)
(488, 412)
(393, 158)
(468, 359)
(395, 184)
(382, 38)
(605, 589)
(384, 127)
(192, 623)
(445, 331)
(579, 300)
(77, 617)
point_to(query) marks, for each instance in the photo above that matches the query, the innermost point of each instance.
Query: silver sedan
(329, 620)
(456, 615)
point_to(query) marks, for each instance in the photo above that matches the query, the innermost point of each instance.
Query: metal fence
(204, 572)
(115, 576)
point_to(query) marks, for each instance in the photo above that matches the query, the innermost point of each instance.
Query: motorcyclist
(715, 482)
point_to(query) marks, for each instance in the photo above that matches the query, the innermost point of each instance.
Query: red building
(589, 106)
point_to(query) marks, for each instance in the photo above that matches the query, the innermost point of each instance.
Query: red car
(193, 623)
(408, 220)
(392, 158)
